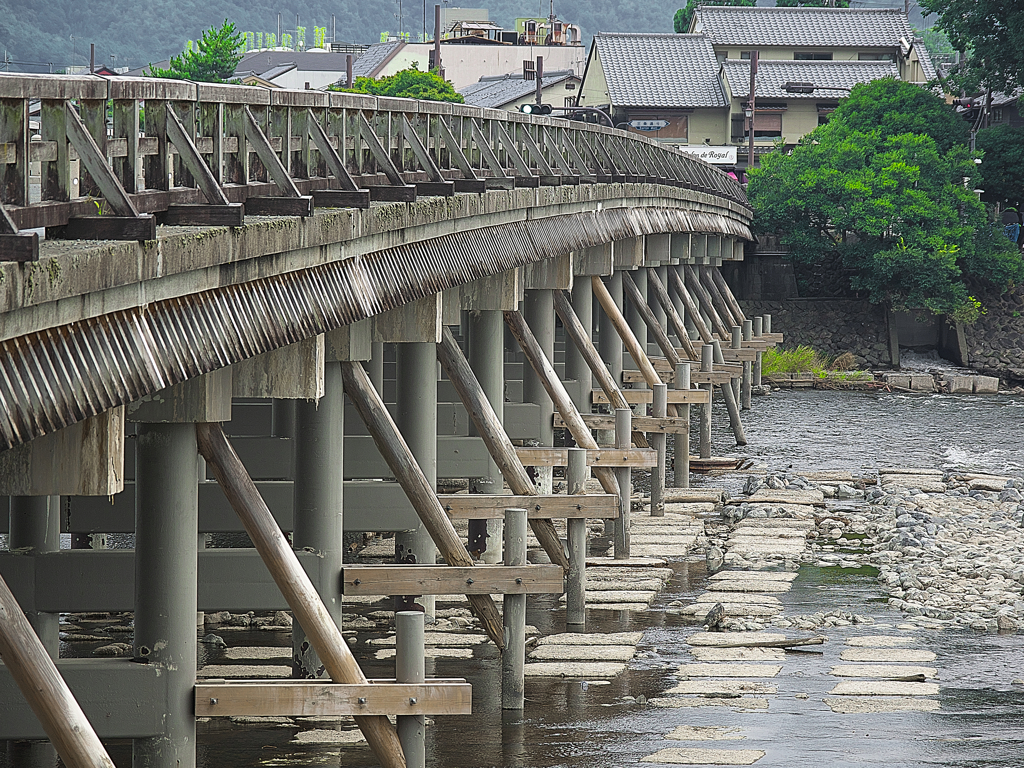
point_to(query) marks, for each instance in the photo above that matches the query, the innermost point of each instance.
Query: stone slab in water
(753, 585)
(261, 653)
(881, 670)
(584, 669)
(620, 596)
(881, 641)
(925, 483)
(641, 607)
(765, 575)
(581, 638)
(782, 496)
(707, 653)
(740, 703)
(738, 597)
(678, 756)
(628, 585)
(867, 705)
(450, 639)
(776, 522)
(630, 562)
(440, 652)
(655, 550)
(704, 733)
(244, 671)
(689, 509)
(910, 471)
(690, 495)
(329, 736)
(884, 688)
(723, 687)
(728, 670)
(732, 609)
(766, 547)
(667, 539)
(733, 638)
(887, 655)
(583, 653)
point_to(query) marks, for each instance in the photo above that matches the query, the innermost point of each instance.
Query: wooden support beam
(739, 355)
(507, 143)
(478, 506)
(380, 154)
(45, 691)
(596, 457)
(190, 156)
(501, 176)
(21, 246)
(260, 144)
(577, 333)
(95, 163)
(721, 305)
(644, 309)
(341, 198)
(280, 206)
(230, 215)
(405, 193)
(455, 151)
(717, 376)
(435, 188)
(142, 227)
(672, 425)
(491, 431)
(450, 580)
(691, 307)
(407, 472)
(305, 602)
(315, 698)
(727, 294)
(634, 396)
(559, 397)
(693, 281)
(661, 294)
(478, 186)
(422, 155)
(335, 164)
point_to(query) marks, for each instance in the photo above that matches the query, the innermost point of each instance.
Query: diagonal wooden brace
(330, 155)
(190, 156)
(261, 145)
(96, 164)
(380, 154)
(422, 155)
(487, 152)
(452, 144)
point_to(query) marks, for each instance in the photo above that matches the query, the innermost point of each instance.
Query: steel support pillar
(318, 493)
(539, 312)
(166, 525)
(610, 346)
(416, 418)
(659, 311)
(576, 368)
(282, 415)
(486, 331)
(375, 367)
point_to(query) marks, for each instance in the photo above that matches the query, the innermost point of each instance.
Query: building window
(876, 57)
(767, 125)
(739, 128)
(745, 55)
(812, 56)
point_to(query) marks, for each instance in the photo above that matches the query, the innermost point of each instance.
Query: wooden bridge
(232, 272)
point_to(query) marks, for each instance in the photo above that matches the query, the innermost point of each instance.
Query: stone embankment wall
(830, 326)
(995, 343)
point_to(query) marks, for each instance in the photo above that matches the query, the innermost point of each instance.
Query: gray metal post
(576, 581)
(282, 417)
(623, 439)
(677, 302)
(658, 442)
(736, 342)
(486, 334)
(416, 418)
(681, 443)
(635, 321)
(576, 368)
(410, 668)
(375, 366)
(748, 367)
(707, 356)
(318, 494)
(539, 313)
(609, 345)
(166, 526)
(513, 659)
(767, 322)
(659, 311)
(35, 523)
(758, 331)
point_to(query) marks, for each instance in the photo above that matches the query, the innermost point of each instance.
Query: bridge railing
(107, 158)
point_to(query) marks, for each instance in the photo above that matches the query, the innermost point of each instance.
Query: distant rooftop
(497, 91)
(773, 74)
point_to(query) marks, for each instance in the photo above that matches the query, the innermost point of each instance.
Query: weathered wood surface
(739, 355)
(452, 580)
(671, 425)
(727, 294)
(478, 506)
(299, 592)
(403, 466)
(696, 377)
(691, 306)
(643, 308)
(596, 457)
(492, 432)
(654, 283)
(315, 698)
(675, 396)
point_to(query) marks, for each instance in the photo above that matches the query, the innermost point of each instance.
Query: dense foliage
(140, 33)
(892, 211)
(1003, 167)
(682, 18)
(992, 33)
(409, 83)
(211, 60)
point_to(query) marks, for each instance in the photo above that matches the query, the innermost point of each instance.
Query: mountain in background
(51, 36)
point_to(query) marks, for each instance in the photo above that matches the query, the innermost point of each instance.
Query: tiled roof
(926, 60)
(773, 74)
(374, 57)
(496, 92)
(305, 61)
(805, 27)
(660, 70)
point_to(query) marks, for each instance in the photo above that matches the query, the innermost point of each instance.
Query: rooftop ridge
(807, 9)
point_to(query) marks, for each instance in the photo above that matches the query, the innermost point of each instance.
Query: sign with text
(714, 155)
(648, 125)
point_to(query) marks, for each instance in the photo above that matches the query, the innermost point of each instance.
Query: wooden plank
(596, 457)
(435, 188)
(775, 338)
(341, 198)
(696, 377)
(452, 580)
(279, 206)
(111, 228)
(22, 246)
(478, 506)
(296, 698)
(635, 396)
(230, 215)
(385, 193)
(470, 185)
(670, 425)
(738, 355)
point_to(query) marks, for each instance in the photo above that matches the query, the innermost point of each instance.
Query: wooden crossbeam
(298, 698)
(596, 457)
(696, 377)
(738, 355)
(452, 580)
(479, 506)
(670, 425)
(775, 338)
(636, 396)
(265, 152)
(456, 153)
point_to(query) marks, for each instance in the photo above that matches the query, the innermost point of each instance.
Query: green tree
(991, 32)
(212, 60)
(893, 212)
(682, 18)
(890, 107)
(1003, 167)
(812, 3)
(409, 83)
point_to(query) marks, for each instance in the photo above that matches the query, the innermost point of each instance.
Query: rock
(715, 558)
(986, 385)
(213, 640)
(114, 650)
(715, 616)
(1005, 624)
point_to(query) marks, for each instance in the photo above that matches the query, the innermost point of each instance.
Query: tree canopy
(409, 83)
(1003, 167)
(893, 212)
(891, 107)
(682, 18)
(211, 60)
(991, 32)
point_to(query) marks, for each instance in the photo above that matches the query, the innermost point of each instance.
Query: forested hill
(37, 34)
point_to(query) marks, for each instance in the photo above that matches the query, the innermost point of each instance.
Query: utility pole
(752, 106)
(540, 78)
(92, 58)
(551, 35)
(437, 41)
